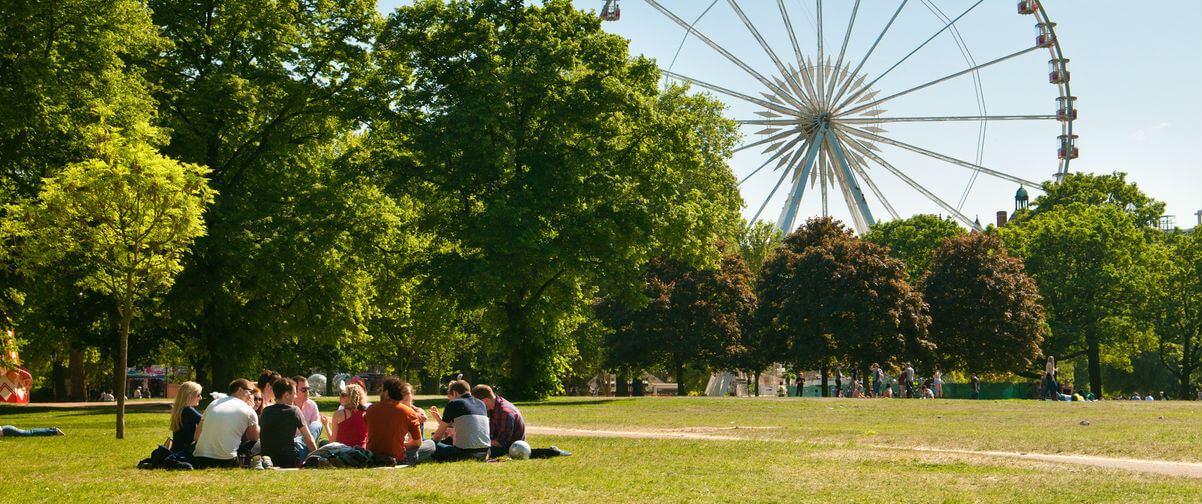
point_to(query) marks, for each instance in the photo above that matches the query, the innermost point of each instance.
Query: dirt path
(1186, 469)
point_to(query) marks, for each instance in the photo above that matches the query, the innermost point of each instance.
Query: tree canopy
(913, 240)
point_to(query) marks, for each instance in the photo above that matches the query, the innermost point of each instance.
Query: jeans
(302, 451)
(876, 388)
(452, 453)
(10, 431)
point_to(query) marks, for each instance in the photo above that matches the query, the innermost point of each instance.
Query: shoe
(559, 452)
(267, 462)
(256, 463)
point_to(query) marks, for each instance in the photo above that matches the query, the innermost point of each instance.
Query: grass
(837, 451)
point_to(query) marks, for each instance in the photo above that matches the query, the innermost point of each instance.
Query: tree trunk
(623, 382)
(1095, 365)
(79, 392)
(1187, 369)
(825, 387)
(680, 388)
(58, 375)
(122, 364)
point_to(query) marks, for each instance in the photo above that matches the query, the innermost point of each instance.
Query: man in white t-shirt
(225, 421)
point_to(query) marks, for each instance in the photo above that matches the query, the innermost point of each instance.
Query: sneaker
(267, 462)
(559, 452)
(256, 463)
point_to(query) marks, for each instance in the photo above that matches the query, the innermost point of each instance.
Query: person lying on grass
(280, 422)
(11, 431)
(506, 425)
(220, 431)
(469, 418)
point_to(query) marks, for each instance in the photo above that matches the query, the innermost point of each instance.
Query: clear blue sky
(1136, 70)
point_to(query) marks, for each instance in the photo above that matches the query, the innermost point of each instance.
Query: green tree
(1092, 267)
(552, 164)
(827, 297)
(757, 242)
(1176, 306)
(913, 240)
(1098, 190)
(985, 311)
(268, 96)
(131, 214)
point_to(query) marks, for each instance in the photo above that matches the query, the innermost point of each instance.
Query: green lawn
(834, 451)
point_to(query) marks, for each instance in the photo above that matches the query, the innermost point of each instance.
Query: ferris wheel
(816, 113)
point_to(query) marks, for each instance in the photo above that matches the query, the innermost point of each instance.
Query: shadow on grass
(90, 409)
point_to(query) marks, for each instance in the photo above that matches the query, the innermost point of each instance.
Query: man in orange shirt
(389, 420)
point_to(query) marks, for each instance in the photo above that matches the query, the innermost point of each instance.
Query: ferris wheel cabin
(1058, 70)
(1068, 147)
(1044, 35)
(611, 11)
(1028, 6)
(1066, 109)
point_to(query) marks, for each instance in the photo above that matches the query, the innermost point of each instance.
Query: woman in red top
(348, 426)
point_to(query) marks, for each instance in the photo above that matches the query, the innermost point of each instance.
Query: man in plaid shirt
(505, 425)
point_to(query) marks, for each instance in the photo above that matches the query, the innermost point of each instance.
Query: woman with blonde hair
(348, 426)
(184, 416)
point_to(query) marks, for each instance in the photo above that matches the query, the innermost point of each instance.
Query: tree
(985, 311)
(269, 96)
(131, 214)
(695, 316)
(757, 242)
(553, 166)
(1176, 306)
(1098, 190)
(1091, 266)
(913, 240)
(828, 297)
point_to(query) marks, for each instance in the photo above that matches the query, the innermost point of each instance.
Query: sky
(1136, 70)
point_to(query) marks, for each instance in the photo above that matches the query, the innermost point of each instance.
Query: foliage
(1099, 190)
(64, 66)
(1092, 267)
(1176, 306)
(985, 311)
(826, 297)
(913, 240)
(757, 241)
(550, 163)
(267, 95)
(130, 214)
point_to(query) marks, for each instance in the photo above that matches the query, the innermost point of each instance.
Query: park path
(1186, 469)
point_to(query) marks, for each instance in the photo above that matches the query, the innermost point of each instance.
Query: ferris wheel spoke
(821, 73)
(948, 159)
(859, 166)
(941, 79)
(789, 212)
(769, 139)
(830, 93)
(843, 88)
(782, 151)
(784, 174)
(852, 98)
(733, 94)
(721, 50)
(857, 195)
(784, 14)
(767, 49)
(873, 120)
(769, 122)
(916, 186)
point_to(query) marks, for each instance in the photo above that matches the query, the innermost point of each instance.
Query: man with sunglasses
(225, 421)
(313, 417)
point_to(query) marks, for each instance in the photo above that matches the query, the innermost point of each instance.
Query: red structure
(15, 381)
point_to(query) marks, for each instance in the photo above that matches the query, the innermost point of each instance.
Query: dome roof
(1021, 194)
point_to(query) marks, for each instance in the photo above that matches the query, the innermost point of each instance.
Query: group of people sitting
(276, 421)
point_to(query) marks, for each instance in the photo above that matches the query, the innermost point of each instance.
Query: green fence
(956, 390)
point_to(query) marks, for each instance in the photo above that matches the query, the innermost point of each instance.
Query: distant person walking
(878, 378)
(838, 380)
(1051, 389)
(938, 382)
(976, 387)
(909, 381)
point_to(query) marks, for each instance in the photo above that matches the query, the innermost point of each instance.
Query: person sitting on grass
(223, 425)
(506, 426)
(347, 426)
(314, 420)
(469, 418)
(12, 431)
(280, 422)
(389, 421)
(184, 416)
(408, 401)
(266, 377)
